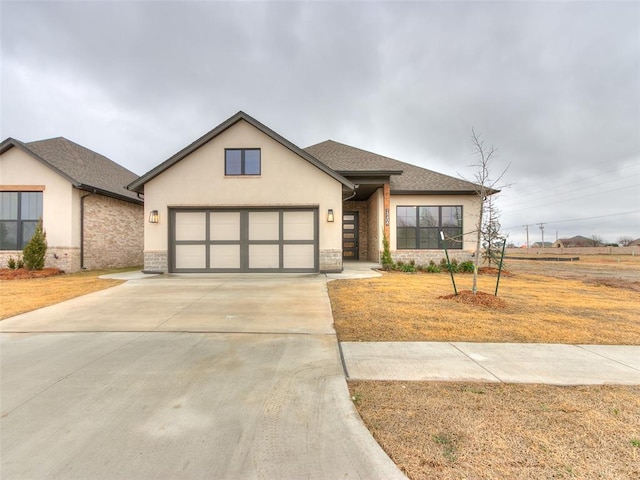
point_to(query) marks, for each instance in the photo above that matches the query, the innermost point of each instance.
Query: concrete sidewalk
(552, 364)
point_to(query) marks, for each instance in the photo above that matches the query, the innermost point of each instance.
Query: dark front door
(350, 236)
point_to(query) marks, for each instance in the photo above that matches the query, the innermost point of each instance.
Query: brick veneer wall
(363, 225)
(330, 261)
(374, 230)
(113, 233)
(423, 257)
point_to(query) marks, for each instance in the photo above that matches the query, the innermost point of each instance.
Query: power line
(580, 219)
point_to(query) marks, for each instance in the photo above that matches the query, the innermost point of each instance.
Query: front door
(350, 236)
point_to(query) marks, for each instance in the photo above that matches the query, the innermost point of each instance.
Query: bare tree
(596, 240)
(625, 241)
(486, 185)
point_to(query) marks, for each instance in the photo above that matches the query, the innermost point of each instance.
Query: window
(19, 216)
(242, 161)
(418, 227)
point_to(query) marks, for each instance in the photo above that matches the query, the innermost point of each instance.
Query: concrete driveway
(226, 377)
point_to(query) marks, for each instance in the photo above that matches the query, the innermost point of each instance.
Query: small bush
(433, 268)
(19, 263)
(466, 267)
(408, 267)
(11, 263)
(450, 267)
(387, 261)
(35, 251)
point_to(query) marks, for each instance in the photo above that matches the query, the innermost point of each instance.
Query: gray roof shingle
(84, 168)
(349, 160)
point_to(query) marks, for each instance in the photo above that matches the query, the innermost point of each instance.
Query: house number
(386, 216)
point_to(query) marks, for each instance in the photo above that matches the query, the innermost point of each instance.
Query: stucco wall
(113, 233)
(18, 169)
(199, 180)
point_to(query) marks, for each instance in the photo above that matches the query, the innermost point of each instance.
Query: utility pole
(541, 225)
(527, 227)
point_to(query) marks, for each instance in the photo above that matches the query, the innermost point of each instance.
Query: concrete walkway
(552, 364)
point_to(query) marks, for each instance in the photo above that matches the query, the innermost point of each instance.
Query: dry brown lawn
(441, 431)
(435, 430)
(537, 309)
(24, 295)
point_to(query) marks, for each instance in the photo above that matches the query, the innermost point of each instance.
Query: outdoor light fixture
(330, 215)
(154, 217)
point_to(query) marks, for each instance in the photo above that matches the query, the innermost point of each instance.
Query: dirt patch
(444, 431)
(22, 273)
(615, 283)
(479, 299)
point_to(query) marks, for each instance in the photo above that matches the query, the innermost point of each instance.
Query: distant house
(541, 245)
(91, 220)
(635, 243)
(577, 241)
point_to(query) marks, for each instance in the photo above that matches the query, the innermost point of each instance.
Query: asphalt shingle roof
(346, 159)
(84, 168)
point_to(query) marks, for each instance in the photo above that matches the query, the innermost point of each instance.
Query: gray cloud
(555, 86)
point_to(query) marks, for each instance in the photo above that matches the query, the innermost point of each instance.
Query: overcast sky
(554, 86)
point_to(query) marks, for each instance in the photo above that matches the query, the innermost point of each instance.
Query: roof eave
(433, 192)
(107, 193)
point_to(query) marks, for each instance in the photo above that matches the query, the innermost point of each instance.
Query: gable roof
(138, 185)
(83, 168)
(404, 177)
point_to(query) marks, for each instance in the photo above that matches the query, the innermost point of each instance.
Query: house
(542, 245)
(577, 241)
(242, 198)
(91, 220)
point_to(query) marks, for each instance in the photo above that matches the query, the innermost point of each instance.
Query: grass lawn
(24, 295)
(436, 430)
(537, 309)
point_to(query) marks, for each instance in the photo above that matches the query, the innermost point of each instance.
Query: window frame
(21, 223)
(413, 232)
(243, 162)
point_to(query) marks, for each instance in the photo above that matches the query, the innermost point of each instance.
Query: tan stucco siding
(286, 180)
(18, 169)
(470, 212)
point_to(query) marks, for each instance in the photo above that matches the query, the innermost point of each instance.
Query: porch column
(386, 190)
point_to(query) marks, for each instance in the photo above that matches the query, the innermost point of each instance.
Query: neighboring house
(635, 243)
(541, 245)
(91, 220)
(244, 199)
(577, 241)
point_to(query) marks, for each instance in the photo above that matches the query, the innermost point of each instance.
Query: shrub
(433, 268)
(408, 267)
(466, 267)
(35, 251)
(11, 263)
(387, 261)
(450, 267)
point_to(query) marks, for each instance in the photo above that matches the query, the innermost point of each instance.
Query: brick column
(387, 206)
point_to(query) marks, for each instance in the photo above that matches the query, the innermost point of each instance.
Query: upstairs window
(242, 161)
(418, 227)
(20, 213)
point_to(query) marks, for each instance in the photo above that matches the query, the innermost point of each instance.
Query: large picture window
(242, 161)
(19, 216)
(418, 227)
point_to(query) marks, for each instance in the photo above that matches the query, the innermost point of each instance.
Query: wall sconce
(154, 216)
(330, 215)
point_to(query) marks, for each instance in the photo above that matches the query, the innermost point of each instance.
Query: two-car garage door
(243, 240)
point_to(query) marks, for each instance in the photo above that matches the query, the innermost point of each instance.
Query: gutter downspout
(82, 267)
(352, 195)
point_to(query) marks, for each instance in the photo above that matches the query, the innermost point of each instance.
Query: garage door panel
(299, 256)
(264, 225)
(298, 226)
(224, 226)
(264, 256)
(225, 256)
(190, 226)
(191, 256)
